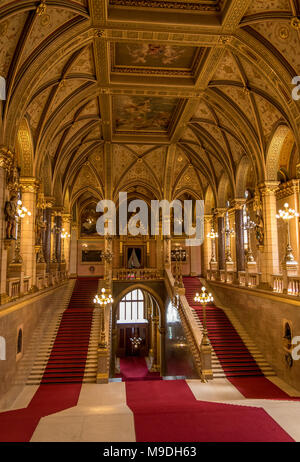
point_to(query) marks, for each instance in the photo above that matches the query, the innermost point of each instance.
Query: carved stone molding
(6, 158)
(29, 185)
(288, 189)
(237, 204)
(49, 202)
(268, 188)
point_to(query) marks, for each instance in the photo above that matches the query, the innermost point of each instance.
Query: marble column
(239, 234)
(270, 257)
(29, 187)
(66, 224)
(221, 242)
(6, 160)
(47, 240)
(206, 244)
(73, 250)
(57, 237)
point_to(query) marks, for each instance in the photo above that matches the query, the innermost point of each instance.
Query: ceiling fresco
(143, 113)
(146, 56)
(163, 95)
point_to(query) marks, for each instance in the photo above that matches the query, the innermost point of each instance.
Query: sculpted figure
(10, 212)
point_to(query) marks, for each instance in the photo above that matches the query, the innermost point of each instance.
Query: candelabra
(213, 236)
(287, 214)
(248, 226)
(228, 234)
(64, 235)
(204, 298)
(22, 212)
(103, 300)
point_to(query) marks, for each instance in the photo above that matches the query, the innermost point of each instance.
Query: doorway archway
(138, 327)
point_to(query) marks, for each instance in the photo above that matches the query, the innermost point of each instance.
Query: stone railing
(191, 329)
(293, 286)
(147, 274)
(277, 283)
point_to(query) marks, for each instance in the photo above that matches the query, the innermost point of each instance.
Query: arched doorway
(138, 328)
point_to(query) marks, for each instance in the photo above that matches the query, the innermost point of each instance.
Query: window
(132, 308)
(20, 342)
(172, 314)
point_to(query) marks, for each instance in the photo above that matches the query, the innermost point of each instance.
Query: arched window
(132, 308)
(20, 341)
(172, 314)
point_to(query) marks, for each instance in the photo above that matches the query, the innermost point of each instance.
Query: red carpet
(61, 383)
(172, 414)
(134, 368)
(238, 364)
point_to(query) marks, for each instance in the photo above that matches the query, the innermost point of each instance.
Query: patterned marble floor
(102, 414)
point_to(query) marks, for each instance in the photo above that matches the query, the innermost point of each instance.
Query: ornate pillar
(239, 234)
(206, 244)
(57, 236)
(49, 202)
(221, 238)
(73, 251)
(6, 161)
(270, 260)
(155, 365)
(66, 225)
(29, 187)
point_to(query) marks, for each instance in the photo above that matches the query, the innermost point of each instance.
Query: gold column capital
(49, 202)
(220, 211)
(66, 217)
(237, 204)
(29, 185)
(6, 158)
(268, 187)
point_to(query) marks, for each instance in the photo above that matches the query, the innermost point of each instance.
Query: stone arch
(209, 201)
(25, 149)
(274, 150)
(241, 176)
(144, 288)
(224, 191)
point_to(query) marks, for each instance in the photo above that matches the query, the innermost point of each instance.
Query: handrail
(193, 332)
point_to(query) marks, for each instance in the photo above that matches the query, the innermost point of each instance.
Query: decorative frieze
(288, 189)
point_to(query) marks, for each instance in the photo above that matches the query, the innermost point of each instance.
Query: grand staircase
(68, 353)
(234, 354)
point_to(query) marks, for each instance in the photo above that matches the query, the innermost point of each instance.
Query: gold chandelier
(103, 299)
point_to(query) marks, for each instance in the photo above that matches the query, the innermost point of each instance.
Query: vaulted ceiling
(152, 97)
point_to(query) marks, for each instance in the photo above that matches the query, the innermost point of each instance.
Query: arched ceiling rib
(83, 74)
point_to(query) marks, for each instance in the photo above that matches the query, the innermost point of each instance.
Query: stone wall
(28, 315)
(263, 316)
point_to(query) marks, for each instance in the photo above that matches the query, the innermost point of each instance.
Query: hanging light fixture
(286, 215)
(22, 210)
(103, 299)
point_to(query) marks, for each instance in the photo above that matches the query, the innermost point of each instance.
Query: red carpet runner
(238, 364)
(134, 368)
(61, 384)
(167, 411)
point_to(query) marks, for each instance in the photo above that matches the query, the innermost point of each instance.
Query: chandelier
(135, 342)
(103, 299)
(204, 297)
(212, 234)
(288, 213)
(22, 211)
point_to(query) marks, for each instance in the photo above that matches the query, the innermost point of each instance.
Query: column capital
(6, 158)
(268, 187)
(29, 185)
(288, 189)
(49, 202)
(58, 210)
(220, 212)
(66, 217)
(237, 204)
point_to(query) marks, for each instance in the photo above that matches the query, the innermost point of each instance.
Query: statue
(40, 226)
(10, 212)
(259, 223)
